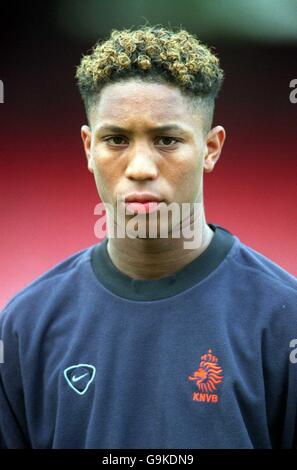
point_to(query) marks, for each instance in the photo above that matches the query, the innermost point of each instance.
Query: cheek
(107, 173)
(184, 175)
(102, 183)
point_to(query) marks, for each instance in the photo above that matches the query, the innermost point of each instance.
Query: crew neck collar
(156, 289)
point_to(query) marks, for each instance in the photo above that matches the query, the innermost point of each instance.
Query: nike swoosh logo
(76, 379)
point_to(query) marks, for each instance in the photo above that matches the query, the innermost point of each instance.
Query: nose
(141, 165)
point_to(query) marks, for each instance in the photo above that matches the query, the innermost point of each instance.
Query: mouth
(143, 207)
(142, 203)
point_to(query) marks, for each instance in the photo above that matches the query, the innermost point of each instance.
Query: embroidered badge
(80, 377)
(207, 377)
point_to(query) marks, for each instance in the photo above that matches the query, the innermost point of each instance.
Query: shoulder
(260, 270)
(46, 290)
(267, 296)
(263, 288)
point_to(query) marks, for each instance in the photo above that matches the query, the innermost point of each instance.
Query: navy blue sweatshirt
(198, 359)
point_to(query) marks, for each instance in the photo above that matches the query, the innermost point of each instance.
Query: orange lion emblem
(208, 375)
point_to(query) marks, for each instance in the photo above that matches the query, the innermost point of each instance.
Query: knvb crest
(207, 377)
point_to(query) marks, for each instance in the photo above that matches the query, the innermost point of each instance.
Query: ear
(214, 143)
(86, 135)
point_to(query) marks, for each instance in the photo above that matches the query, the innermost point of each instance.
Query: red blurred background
(48, 196)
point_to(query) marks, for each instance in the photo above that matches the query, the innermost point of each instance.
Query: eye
(168, 141)
(116, 140)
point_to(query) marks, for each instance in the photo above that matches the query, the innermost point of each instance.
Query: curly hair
(154, 54)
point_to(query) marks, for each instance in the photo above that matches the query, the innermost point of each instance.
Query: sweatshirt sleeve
(13, 428)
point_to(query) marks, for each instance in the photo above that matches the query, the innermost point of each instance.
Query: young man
(147, 341)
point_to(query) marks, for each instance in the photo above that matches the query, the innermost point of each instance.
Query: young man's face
(142, 155)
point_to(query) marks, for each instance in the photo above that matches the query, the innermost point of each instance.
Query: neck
(153, 258)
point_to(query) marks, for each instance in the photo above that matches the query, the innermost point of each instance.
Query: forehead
(136, 101)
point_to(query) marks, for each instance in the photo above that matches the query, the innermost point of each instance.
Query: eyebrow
(165, 128)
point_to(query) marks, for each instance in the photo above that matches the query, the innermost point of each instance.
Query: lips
(142, 197)
(142, 202)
